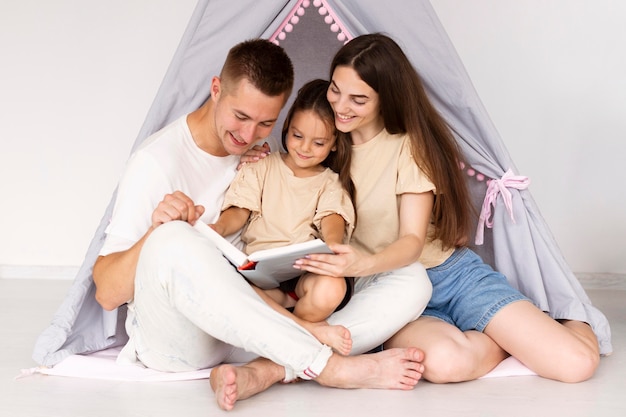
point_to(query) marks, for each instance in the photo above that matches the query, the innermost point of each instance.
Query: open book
(265, 268)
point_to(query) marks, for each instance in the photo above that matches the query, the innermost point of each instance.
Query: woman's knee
(581, 367)
(450, 355)
(450, 361)
(577, 363)
(583, 358)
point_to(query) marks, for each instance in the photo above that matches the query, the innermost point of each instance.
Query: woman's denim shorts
(467, 292)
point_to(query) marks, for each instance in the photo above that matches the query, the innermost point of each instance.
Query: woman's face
(356, 105)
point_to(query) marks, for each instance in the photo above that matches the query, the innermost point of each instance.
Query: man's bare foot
(337, 337)
(389, 369)
(233, 383)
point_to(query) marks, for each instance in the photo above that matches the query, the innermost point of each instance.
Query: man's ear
(216, 88)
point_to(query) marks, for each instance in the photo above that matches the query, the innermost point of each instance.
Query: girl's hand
(254, 154)
(346, 262)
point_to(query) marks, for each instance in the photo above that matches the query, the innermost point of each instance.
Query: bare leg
(336, 336)
(231, 383)
(566, 351)
(450, 354)
(319, 296)
(281, 298)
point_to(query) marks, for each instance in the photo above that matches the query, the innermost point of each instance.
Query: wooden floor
(26, 307)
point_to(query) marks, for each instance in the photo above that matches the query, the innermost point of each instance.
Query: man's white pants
(191, 308)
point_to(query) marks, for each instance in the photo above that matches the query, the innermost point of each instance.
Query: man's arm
(114, 274)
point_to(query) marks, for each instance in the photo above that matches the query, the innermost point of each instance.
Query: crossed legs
(183, 284)
(318, 297)
(401, 294)
(565, 351)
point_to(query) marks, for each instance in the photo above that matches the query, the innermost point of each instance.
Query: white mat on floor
(102, 365)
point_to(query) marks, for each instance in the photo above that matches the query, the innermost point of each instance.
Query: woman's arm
(415, 213)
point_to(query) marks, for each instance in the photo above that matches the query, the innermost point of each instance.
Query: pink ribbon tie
(495, 187)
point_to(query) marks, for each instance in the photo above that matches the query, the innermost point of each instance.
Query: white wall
(552, 75)
(76, 81)
(78, 77)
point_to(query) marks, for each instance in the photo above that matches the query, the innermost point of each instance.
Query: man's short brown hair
(264, 64)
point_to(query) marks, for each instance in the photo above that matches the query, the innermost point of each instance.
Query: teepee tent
(510, 234)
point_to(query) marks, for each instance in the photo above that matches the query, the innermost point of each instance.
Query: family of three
(370, 167)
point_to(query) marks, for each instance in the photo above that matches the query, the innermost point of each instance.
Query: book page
(276, 265)
(273, 266)
(230, 251)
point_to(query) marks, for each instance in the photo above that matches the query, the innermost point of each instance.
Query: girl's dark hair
(312, 97)
(405, 108)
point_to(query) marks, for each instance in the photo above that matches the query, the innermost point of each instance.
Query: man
(188, 308)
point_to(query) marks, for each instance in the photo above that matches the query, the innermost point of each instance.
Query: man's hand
(176, 206)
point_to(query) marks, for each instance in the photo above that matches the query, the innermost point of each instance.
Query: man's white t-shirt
(167, 161)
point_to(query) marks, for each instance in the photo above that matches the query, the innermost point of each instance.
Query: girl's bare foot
(233, 383)
(337, 337)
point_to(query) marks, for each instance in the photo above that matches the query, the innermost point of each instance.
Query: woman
(475, 319)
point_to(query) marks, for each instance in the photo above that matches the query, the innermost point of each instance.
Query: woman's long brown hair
(405, 108)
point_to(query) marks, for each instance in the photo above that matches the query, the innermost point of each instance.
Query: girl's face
(309, 142)
(356, 105)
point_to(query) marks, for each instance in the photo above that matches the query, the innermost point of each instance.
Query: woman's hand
(346, 262)
(176, 206)
(254, 154)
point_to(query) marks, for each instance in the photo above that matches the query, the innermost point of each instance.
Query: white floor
(26, 307)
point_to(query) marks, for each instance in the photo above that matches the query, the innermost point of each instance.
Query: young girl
(294, 197)
(475, 318)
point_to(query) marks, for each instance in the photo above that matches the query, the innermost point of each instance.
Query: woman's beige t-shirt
(286, 209)
(383, 169)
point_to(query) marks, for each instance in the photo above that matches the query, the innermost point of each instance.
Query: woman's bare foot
(233, 383)
(337, 337)
(389, 369)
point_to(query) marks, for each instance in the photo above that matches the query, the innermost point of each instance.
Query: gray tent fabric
(523, 249)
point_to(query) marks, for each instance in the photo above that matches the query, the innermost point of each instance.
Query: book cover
(265, 268)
